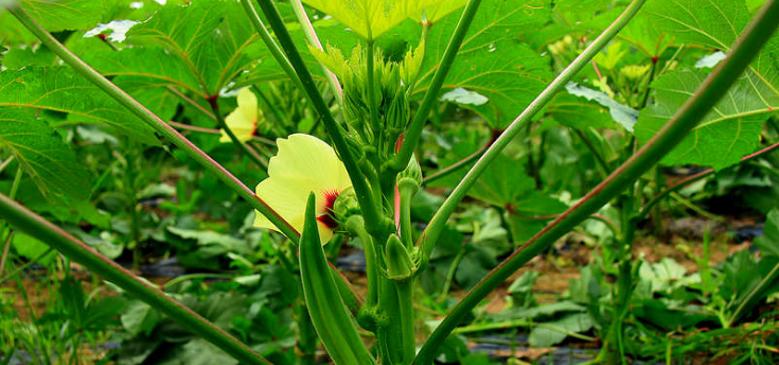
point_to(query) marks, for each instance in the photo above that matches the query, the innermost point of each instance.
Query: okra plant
(360, 178)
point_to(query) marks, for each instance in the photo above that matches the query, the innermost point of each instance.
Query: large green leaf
(728, 132)
(209, 38)
(731, 130)
(55, 16)
(503, 182)
(491, 61)
(45, 158)
(552, 333)
(60, 90)
(372, 18)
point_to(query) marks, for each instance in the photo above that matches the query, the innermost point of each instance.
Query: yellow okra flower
(303, 164)
(243, 120)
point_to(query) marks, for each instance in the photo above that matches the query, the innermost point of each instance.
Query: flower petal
(243, 120)
(302, 165)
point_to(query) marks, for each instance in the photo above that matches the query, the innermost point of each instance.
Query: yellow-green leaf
(371, 18)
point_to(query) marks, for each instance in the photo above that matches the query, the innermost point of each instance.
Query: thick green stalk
(369, 208)
(406, 319)
(406, 229)
(168, 132)
(414, 131)
(34, 225)
(432, 232)
(356, 226)
(373, 104)
(686, 118)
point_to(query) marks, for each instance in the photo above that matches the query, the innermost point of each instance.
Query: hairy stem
(687, 117)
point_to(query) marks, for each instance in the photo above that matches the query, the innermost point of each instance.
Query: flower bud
(399, 263)
(346, 205)
(411, 177)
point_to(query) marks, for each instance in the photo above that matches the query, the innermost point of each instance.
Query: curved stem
(414, 131)
(154, 121)
(34, 225)
(196, 129)
(437, 223)
(686, 118)
(599, 160)
(446, 171)
(361, 188)
(191, 102)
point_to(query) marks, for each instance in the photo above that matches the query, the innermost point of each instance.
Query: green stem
(406, 229)
(4, 257)
(168, 132)
(191, 102)
(34, 225)
(687, 117)
(310, 32)
(372, 102)
(5, 163)
(446, 171)
(451, 272)
(414, 131)
(356, 226)
(432, 232)
(602, 164)
(307, 340)
(364, 196)
(406, 318)
(183, 278)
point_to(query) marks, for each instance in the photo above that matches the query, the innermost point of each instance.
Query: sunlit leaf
(60, 90)
(728, 132)
(45, 158)
(491, 61)
(210, 38)
(372, 18)
(731, 130)
(54, 15)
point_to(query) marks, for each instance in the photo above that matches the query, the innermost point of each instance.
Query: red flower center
(328, 218)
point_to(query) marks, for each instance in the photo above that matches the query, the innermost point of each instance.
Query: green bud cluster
(393, 82)
(346, 205)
